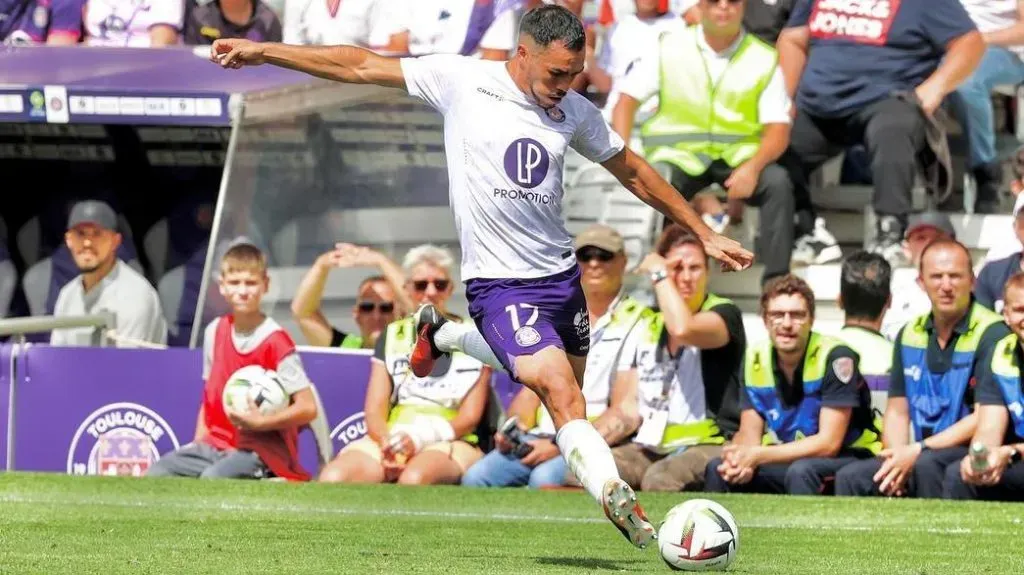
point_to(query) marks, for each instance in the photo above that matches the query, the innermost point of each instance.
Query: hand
(741, 456)
(735, 475)
(236, 52)
(651, 263)
(741, 182)
(931, 97)
(502, 443)
(998, 461)
(399, 447)
(248, 420)
(543, 450)
(896, 468)
(729, 252)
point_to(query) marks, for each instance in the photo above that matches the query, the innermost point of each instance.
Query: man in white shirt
(507, 126)
(468, 27)
(366, 23)
(134, 23)
(1001, 23)
(723, 118)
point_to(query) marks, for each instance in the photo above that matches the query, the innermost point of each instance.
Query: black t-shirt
(205, 23)
(721, 369)
(765, 19)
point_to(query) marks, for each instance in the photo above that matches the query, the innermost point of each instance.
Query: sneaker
(621, 507)
(425, 353)
(817, 247)
(888, 241)
(717, 222)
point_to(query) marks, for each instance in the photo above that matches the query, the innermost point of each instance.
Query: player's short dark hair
(788, 284)
(946, 243)
(865, 285)
(675, 235)
(552, 23)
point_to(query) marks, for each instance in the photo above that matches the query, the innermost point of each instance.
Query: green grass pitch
(52, 524)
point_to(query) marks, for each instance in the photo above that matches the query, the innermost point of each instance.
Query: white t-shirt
(992, 15)
(505, 160)
(644, 80)
(127, 22)
(441, 26)
(908, 301)
(366, 23)
(627, 43)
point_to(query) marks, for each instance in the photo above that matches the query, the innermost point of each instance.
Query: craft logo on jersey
(861, 21)
(526, 162)
(120, 439)
(350, 429)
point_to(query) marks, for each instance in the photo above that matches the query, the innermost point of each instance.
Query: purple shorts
(523, 316)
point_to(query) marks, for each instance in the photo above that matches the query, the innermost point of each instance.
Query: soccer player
(507, 126)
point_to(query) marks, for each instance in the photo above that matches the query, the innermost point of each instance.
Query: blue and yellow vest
(875, 354)
(1006, 370)
(789, 424)
(937, 400)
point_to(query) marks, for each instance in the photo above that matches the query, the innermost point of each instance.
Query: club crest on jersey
(120, 439)
(843, 367)
(556, 114)
(527, 336)
(527, 162)
(350, 429)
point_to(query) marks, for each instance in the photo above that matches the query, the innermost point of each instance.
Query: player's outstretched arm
(644, 181)
(348, 64)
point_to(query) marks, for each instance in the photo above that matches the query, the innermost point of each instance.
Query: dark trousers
(801, 477)
(773, 195)
(925, 479)
(892, 131)
(1010, 488)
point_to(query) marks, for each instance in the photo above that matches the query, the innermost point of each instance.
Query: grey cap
(93, 212)
(931, 219)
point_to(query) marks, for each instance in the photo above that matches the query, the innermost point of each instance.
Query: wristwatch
(1015, 456)
(658, 275)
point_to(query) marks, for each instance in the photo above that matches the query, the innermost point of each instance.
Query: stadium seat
(8, 283)
(170, 288)
(36, 285)
(155, 246)
(29, 242)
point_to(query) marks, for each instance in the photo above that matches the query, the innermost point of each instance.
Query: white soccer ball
(698, 535)
(262, 385)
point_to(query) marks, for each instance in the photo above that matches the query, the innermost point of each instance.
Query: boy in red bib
(247, 445)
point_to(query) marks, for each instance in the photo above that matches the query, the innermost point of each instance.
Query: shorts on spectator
(463, 454)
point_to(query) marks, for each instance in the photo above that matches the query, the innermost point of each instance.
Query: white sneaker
(817, 247)
(626, 514)
(716, 223)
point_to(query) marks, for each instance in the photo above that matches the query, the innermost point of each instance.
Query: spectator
(935, 359)
(420, 430)
(379, 300)
(134, 23)
(1002, 28)
(367, 23)
(864, 295)
(608, 384)
(51, 22)
(247, 445)
(1007, 243)
(723, 119)
(766, 18)
(994, 275)
(207, 20)
(1000, 419)
(8, 278)
(487, 28)
(106, 284)
(806, 390)
(873, 77)
(688, 370)
(909, 298)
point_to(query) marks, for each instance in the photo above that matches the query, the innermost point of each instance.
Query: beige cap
(600, 236)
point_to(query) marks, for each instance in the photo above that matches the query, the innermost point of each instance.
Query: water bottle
(979, 456)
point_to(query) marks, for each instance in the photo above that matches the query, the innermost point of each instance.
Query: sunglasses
(369, 306)
(439, 285)
(586, 254)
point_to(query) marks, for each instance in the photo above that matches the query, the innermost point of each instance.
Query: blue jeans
(998, 66)
(497, 469)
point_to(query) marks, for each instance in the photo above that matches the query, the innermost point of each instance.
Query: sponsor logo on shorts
(527, 162)
(527, 336)
(581, 321)
(120, 439)
(532, 197)
(350, 429)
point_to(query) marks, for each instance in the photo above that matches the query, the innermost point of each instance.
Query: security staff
(864, 296)
(934, 359)
(807, 390)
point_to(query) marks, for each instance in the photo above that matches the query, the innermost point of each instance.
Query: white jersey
(366, 23)
(505, 162)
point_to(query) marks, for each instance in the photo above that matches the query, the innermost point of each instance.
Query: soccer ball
(698, 535)
(262, 385)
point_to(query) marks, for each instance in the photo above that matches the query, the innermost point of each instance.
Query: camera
(514, 435)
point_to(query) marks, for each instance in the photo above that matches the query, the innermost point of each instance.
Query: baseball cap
(930, 219)
(600, 236)
(93, 212)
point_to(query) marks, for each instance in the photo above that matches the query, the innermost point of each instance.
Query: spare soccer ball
(262, 385)
(698, 535)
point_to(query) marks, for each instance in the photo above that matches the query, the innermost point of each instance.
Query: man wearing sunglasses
(723, 118)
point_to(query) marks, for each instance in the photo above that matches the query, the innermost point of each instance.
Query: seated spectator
(379, 300)
(997, 20)
(105, 284)
(369, 24)
(208, 20)
(420, 430)
(1000, 418)
(696, 72)
(935, 361)
(608, 384)
(864, 295)
(993, 276)
(251, 444)
(688, 361)
(909, 299)
(874, 77)
(806, 390)
(1007, 243)
(51, 22)
(134, 23)
(464, 27)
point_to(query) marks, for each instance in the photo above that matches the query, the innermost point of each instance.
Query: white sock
(588, 455)
(464, 337)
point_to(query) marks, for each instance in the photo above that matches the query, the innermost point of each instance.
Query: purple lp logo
(526, 162)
